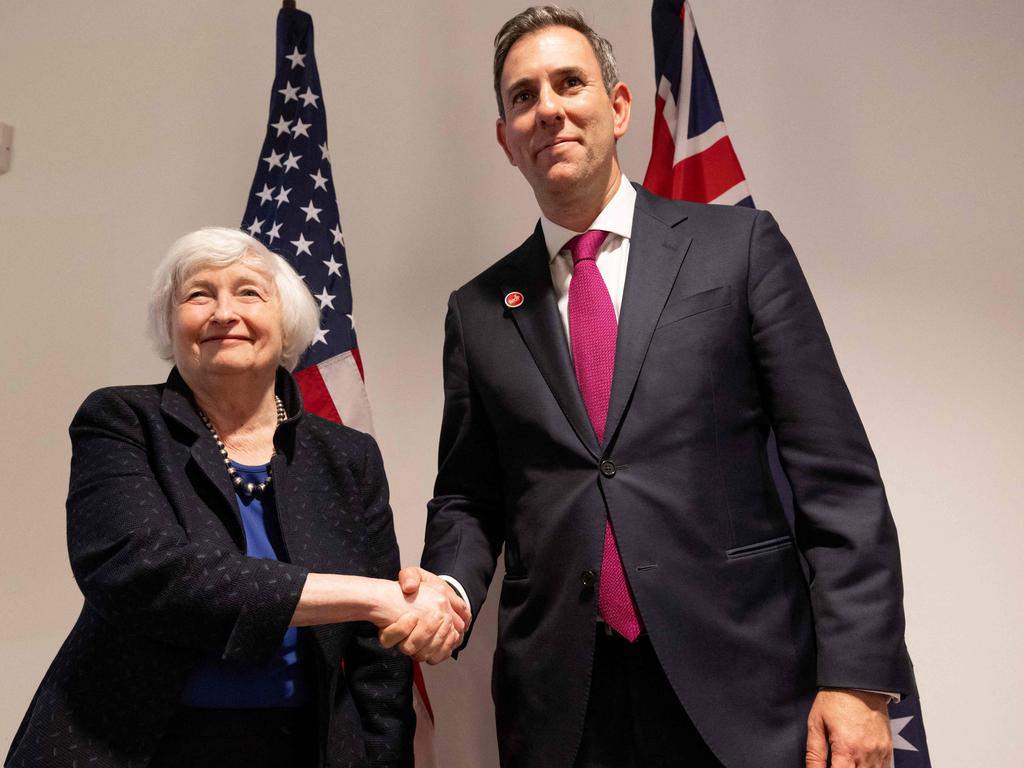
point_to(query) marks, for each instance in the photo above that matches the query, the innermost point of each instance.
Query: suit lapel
(177, 403)
(656, 252)
(541, 329)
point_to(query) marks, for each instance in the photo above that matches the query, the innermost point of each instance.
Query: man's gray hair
(541, 17)
(220, 247)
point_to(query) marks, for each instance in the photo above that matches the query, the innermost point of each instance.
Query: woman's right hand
(433, 624)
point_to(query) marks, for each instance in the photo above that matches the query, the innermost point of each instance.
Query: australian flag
(692, 158)
(293, 210)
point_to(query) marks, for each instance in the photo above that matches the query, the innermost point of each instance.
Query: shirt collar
(616, 217)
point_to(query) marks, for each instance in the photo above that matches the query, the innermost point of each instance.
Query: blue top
(282, 680)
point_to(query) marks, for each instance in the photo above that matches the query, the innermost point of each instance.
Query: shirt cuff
(894, 698)
(454, 584)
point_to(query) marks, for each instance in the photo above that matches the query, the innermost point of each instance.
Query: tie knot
(585, 247)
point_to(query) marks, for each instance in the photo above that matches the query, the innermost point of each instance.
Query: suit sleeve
(380, 679)
(464, 532)
(842, 521)
(136, 566)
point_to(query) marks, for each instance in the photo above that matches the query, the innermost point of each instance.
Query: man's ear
(499, 129)
(622, 102)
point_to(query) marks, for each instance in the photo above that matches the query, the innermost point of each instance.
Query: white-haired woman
(210, 521)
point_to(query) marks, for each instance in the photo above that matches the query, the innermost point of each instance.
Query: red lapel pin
(513, 299)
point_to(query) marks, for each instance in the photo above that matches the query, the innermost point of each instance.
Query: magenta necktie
(592, 330)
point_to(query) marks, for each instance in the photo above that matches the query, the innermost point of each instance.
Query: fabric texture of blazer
(157, 548)
(719, 342)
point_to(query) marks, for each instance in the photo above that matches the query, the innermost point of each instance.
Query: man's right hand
(433, 637)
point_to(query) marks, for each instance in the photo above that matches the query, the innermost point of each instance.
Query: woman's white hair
(219, 247)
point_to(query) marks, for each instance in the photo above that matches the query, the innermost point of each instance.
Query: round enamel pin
(513, 299)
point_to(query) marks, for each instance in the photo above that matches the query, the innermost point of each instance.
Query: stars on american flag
(309, 98)
(319, 180)
(333, 267)
(266, 195)
(291, 205)
(297, 59)
(302, 245)
(273, 160)
(301, 129)
(325, 299)
(281, 126)
(311, 211)
(290, 92)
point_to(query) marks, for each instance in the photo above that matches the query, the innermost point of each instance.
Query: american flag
(292, 208)
(692, 158)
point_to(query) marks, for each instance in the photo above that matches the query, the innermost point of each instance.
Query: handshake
(422, 616)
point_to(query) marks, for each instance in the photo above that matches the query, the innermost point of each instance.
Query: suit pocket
(688, 306)
(759, 547)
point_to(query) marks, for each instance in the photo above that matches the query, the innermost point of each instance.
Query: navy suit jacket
(157, 548)
(719, 342)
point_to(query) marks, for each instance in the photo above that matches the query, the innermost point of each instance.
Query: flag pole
(289, 4)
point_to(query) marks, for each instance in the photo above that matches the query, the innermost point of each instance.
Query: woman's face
(226, 320)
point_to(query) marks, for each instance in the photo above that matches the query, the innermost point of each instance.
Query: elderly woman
(209, 521)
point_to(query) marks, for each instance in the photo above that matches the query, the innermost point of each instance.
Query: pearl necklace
(253, 489)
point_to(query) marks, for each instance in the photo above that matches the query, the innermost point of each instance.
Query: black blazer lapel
(656, 252)
(541, 329)
(177, 404)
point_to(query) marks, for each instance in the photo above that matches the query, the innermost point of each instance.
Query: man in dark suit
(610, 386)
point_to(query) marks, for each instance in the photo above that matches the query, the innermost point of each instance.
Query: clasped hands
(428, 618)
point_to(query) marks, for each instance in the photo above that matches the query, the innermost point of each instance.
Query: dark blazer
(156, 545)
(719, 342)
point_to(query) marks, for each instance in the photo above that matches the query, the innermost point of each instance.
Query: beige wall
(884, 136)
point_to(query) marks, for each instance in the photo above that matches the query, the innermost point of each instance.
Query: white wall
(884, 136)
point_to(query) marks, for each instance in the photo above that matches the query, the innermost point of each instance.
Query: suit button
(608, 468)
(588, 578)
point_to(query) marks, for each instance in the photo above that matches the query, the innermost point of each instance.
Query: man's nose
(549, 107)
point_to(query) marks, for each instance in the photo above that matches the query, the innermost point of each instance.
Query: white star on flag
(256, 227)
(291, 163)
(273, 160)
(339, 238)
(302, 245)
(325, 299)
(297, 59)
(311, 211)
(321, 336)
(301, 128)
(290, 92)
(319, 180)
(352, 321)
(281, 126)
(282, 196)
(326, 155)
(896, 725)
(333, 267)
(309, 98)
(274, 232)
(267, 194)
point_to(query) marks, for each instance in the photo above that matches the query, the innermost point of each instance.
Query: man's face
(560, 123)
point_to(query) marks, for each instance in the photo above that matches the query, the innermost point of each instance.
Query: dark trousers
(634, 719)
(246, 738)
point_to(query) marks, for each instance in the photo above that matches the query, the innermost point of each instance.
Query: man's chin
(558, 179)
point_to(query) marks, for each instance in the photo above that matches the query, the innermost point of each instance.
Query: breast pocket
(695, 304)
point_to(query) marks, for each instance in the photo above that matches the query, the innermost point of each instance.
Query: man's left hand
(855, 725)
